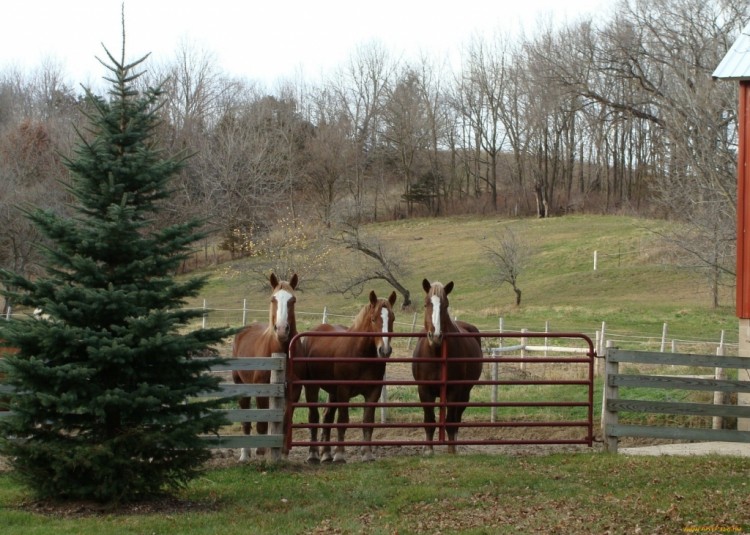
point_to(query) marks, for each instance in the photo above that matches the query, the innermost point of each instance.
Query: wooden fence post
(720, 374)
(278, 403)
(609, 392)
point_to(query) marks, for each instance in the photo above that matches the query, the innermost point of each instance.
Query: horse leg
(244, 404)
(368, 417)
(313, 417)
(246, 429)
(328, 416)
(429, 418)
(340, 455)
(261, 428)
(454, 414)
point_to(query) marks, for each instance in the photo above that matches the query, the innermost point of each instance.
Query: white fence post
(244, 312)
(595, 259)
(203, 322)
(495, 374)
(325, 315)
(663, 337)
(413, 326)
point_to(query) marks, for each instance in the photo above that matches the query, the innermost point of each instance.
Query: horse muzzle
(282, 332)
(434, 339)
(385, 351)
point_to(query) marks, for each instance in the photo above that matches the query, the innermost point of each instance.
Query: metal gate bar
(586, 424)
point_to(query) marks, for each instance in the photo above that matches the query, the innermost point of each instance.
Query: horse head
(381, 320)
(436, 310)
(282, 319)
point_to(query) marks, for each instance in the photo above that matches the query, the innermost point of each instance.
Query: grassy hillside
(635, 289)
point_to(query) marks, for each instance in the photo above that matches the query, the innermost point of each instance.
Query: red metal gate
(559, 395)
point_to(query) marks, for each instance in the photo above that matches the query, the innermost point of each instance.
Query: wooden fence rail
(613, 404)
(274, 415)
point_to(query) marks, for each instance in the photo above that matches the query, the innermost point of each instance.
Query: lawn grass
(471, 494)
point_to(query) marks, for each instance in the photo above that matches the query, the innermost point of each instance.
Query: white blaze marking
(386, 339)
(436, 314)
(282, 309)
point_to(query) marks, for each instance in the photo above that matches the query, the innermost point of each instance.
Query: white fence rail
(662, 341)
(724, 343)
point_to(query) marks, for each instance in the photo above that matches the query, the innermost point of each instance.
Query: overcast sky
(261, 40)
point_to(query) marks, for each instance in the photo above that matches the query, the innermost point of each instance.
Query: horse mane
(436, 288)
(361, 317)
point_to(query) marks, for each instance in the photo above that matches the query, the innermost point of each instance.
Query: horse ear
(426, 285)
(448, 287)
(293, 282)
(373, 298)
(392, 298)
(274, 280)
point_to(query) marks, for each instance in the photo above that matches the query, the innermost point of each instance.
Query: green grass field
(634, 291)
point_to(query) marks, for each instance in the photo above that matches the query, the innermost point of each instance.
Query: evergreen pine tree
(101, 405)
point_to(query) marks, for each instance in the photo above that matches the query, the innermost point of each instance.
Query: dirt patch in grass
(163, 505)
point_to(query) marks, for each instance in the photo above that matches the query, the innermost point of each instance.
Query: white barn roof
(736, 64)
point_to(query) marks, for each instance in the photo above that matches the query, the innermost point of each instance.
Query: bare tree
(384, 263)
(360, 91)
(292, 246)
(508, 255)
(36, 112)
(242, 171)
(406, 131)
(329, 158)
(480, 99)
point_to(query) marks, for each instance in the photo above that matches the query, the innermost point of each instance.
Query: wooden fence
(274, 414)
(613, 403)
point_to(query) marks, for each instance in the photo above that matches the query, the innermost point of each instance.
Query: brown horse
(426, 365)
(262, 340)
(375, 317)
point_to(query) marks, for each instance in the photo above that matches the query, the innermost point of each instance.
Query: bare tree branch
(384, 266)
(508, 254)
